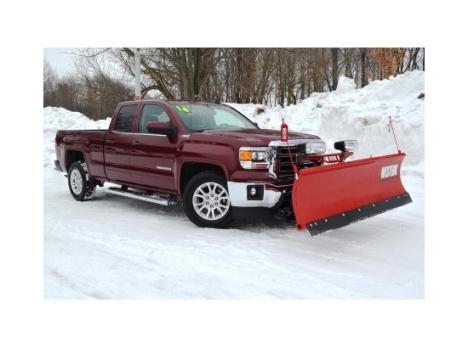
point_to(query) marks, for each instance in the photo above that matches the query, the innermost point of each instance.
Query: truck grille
(284, 167)
(283, 163)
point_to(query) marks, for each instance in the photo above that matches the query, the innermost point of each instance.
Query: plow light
(253, 158)
(315, 147)
(346, 145)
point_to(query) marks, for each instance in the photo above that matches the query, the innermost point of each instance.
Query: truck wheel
(206, 201)
(79, 182)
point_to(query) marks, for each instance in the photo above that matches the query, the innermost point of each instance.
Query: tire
(206, 201)
(79, 182)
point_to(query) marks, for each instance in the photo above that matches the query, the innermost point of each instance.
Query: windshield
(200, 117)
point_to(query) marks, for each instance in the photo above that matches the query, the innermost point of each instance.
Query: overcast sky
(60, 59)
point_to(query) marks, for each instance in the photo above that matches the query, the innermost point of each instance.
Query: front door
(153, 155)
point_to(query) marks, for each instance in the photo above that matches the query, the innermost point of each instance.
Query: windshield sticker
(182, 108)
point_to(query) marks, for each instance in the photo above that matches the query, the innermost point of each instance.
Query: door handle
(136, 142)
(110, 142)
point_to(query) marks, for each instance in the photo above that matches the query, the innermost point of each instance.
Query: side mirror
(161, 128)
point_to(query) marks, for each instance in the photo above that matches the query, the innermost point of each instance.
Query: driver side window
(152, 113)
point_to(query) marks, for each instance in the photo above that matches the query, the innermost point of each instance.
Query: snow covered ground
(117, 248)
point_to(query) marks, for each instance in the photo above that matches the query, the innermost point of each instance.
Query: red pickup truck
(216, 159)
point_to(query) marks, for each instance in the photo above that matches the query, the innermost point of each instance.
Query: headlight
(253, 157)
(346, 145)
(315, 147)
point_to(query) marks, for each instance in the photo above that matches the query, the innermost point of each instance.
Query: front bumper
(239, 194)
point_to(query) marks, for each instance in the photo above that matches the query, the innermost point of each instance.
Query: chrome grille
(284, 166)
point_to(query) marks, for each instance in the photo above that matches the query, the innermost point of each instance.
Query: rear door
(118, 144)
(153, 155)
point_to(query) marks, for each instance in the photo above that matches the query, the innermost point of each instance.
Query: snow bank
(60, 118)
(360, 114)
(345, 84)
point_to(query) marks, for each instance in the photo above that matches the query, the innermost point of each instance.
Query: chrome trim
(253, 148)
(280, 187)
(238, 195)
(141, 196)
(273, 145)
(291, 142)
(154, 135)
(254, 165)
(272, 162)
(169, 169)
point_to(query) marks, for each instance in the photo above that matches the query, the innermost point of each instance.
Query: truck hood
(254, 137)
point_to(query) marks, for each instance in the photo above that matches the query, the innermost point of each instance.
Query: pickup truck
(218, 161)
(209, 154)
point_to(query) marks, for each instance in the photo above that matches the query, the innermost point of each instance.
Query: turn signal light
(245, 155)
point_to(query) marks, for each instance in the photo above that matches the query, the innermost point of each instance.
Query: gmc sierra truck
(216, 159)
(223, 165)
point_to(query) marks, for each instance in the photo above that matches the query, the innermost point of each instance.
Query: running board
(152, 198)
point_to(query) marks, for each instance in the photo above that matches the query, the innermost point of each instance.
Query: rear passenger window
(123, 123)
(152, 113)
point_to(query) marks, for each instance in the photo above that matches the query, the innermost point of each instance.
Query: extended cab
(211, 155)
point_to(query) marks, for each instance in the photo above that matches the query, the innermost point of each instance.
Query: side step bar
(166, 200)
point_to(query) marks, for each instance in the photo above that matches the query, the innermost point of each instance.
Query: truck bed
(89, 141)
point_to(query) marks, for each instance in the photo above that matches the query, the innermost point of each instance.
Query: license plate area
(389, 171)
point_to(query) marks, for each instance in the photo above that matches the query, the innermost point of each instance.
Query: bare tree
(49, 84)
(335, 70)
(281, 76)
(363, 56)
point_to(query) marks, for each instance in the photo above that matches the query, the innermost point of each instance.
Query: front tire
(206, 201)
(79, 182)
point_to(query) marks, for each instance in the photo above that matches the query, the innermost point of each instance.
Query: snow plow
(339, 193)
(334, 195)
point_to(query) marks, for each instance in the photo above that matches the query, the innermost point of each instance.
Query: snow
(60, 118)
(345, 84)
(115, 247)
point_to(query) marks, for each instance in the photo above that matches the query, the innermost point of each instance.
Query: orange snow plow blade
(335, 195)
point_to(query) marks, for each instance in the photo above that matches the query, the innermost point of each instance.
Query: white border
(28, 320)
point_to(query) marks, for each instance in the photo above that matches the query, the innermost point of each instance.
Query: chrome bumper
(239, 197)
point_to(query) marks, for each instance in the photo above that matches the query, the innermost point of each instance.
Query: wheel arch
(190, 168)
(72, 156)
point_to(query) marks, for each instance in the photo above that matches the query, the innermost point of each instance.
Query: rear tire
(79, 182)
(206, 201)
